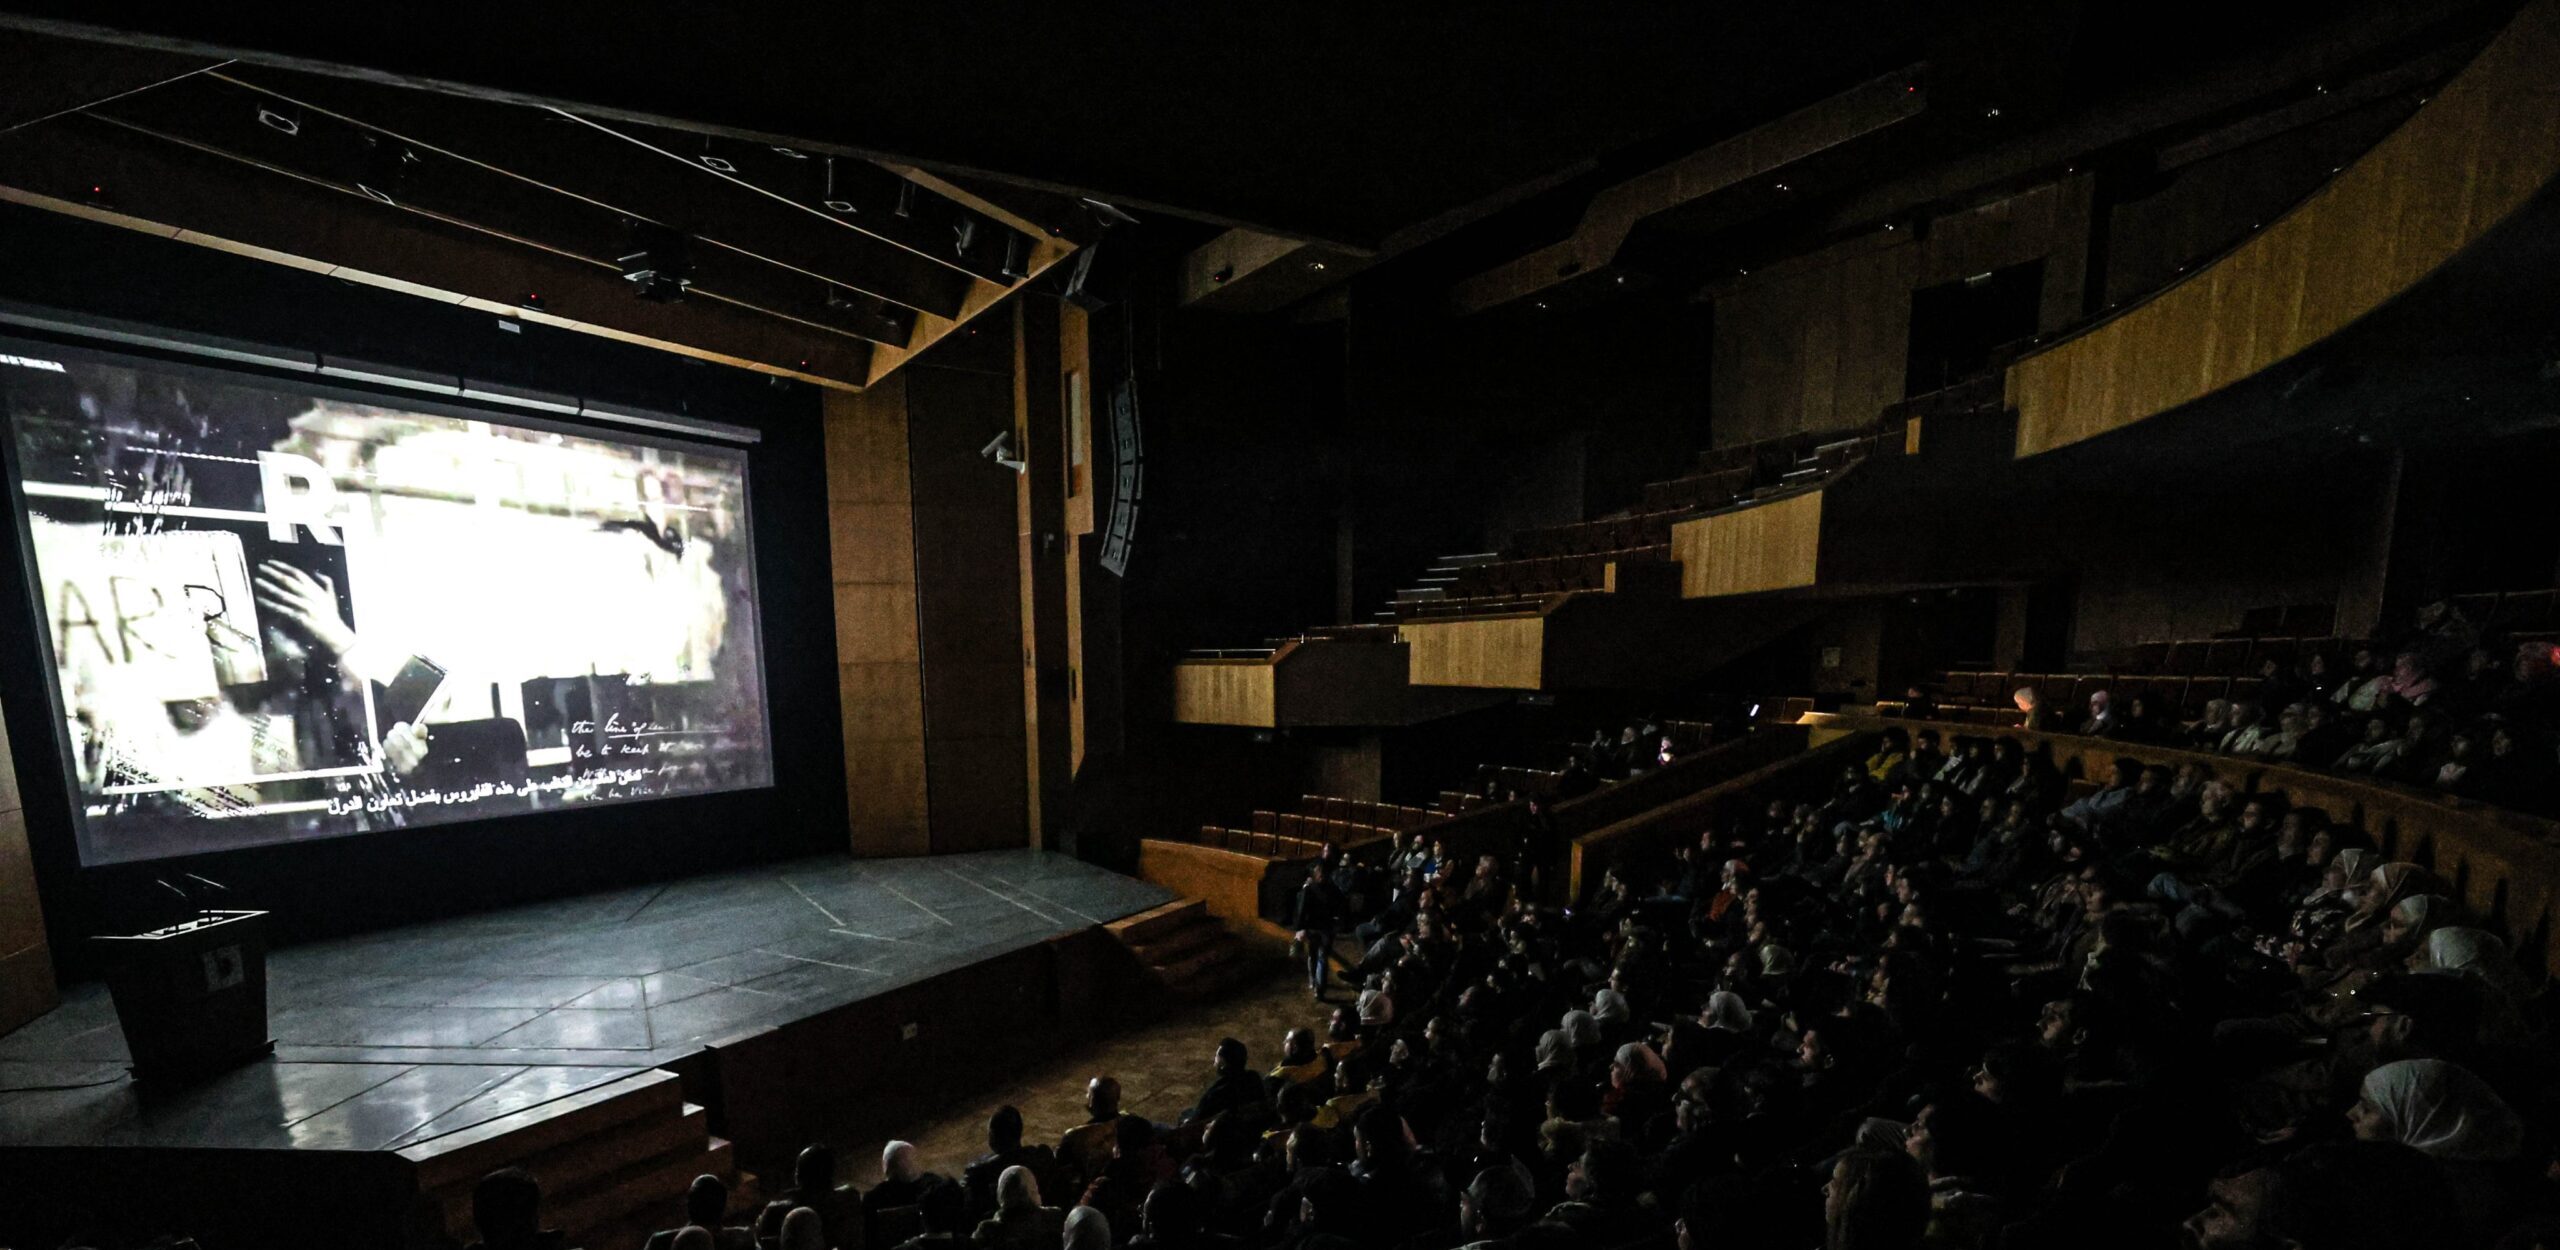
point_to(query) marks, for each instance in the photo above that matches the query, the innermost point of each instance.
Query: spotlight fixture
(833, 200)
(1016, 257)
(281, 120)
(906, 206)
(659, 265)
(963, 233)
(1105, 215)
(385, 168)
(714, 162)
(1315, 266)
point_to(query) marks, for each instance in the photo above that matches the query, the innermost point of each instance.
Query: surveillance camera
(1000, 450)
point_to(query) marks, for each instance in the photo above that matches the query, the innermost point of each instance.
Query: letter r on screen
(278, 474)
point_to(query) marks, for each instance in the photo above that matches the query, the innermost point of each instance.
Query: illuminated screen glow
(273, 614)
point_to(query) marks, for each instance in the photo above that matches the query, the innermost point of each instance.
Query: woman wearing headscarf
(2482, 961)
(2385, 889)
(2323, 914)
(1727, 1034)
(1639, 1087)
(1020, 1222)
(1583, 1042)
(2445, 1112)
(1614, 1014)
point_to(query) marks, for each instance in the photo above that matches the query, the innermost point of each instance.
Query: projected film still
(275, 615)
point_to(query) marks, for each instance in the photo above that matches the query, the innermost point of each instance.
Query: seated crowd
(1942, 1006)
(2442, 708)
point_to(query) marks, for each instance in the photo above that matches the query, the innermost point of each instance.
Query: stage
(738, 982)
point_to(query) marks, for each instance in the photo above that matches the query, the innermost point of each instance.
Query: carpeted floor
(1161, 1067)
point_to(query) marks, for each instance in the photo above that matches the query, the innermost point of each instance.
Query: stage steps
(614, 1161)
(1186, 950)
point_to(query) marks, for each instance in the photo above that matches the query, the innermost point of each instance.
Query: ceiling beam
(555, 153)
(1756, 153)
(100, 173)
(42, 78)
(931, 329)
(881, 204)
(327, 152)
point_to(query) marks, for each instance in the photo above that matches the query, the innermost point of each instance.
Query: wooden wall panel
(1224, 692)
(968, 594)
(26, 963)
(871, 545)
(2461, 164)
(1821, 342)
(1506, 653)
(1774, 546)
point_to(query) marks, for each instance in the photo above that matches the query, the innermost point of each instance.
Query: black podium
(192, 997)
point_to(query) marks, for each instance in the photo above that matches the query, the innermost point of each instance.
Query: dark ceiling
(1337, 123)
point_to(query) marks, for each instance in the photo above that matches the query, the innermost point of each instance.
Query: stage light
(906, 206)
(385, 170)
(1016, 259)
(828, 196)
(658, 264)
(963, 233)
(1000, 450)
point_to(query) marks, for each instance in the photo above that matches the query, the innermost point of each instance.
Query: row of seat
(1266, 845)
(1392, 816)
(2291, 620)
(1316, 828)
(1469, 605)
(2067, 693)
(2512, 611)
(1548, 575)
(1646, 529)
(1698, 492)
(2221, 657)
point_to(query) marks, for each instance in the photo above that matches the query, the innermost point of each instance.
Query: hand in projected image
(404, 748)
(308, 602)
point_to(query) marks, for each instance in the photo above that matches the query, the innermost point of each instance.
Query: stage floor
(390, 1039)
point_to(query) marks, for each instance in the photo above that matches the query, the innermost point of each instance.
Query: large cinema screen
(275, 613)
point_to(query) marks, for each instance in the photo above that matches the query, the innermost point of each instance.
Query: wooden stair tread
(1179, 944)
(1152, 924)
(474, 1152)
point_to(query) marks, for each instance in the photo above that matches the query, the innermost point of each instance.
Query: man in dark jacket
(1235, 1088)
(1318, 918)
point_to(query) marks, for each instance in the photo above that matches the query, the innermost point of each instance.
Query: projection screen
(275, 613)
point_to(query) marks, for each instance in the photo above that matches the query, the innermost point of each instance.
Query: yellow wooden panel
(885, 798)
(1224, 692)
(2462, 163)
(875, 623)
(871, 542)
(1774, 546)
(1505, 653)
(881, 702)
